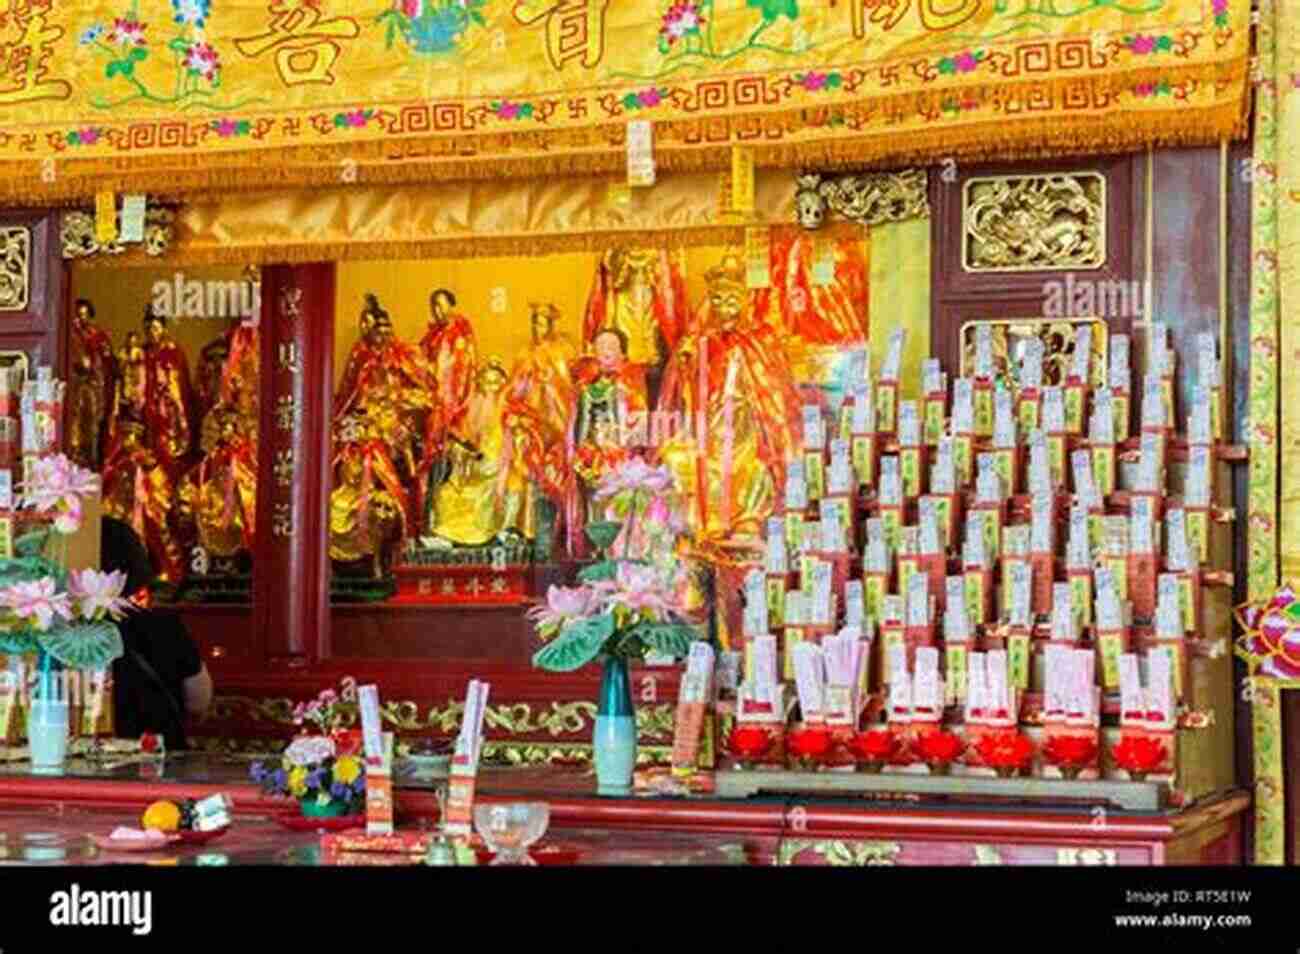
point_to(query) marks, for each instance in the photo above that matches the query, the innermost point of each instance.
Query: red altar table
(641, 829)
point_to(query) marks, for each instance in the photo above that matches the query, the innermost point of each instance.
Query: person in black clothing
(160, 678)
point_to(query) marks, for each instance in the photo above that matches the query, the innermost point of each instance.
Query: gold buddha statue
(367, 506)
(639, 292)
(218, 497)
(733, 371)
(90, 387)
(138, 490)
(486, 496)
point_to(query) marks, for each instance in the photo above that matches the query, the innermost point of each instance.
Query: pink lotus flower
(411, 8)
(203, 59)
(634, 474)
(965, 63)
(1220, 7)
(37, 601)
(98, 594)
(309, 750)
(643, 589)
(58, 484)
(681, 19)
(649, 97)
(128, 32)
(813, 80)
(564, 605)
(1143, 44)
(88, 136)
(227, 127)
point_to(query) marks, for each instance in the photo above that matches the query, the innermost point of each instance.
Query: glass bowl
(510, 829)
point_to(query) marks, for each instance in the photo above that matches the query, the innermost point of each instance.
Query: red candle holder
(875, 749)
(1071, 753)
(809, 746)
(939, 750)
(749, 743)
(1007, 753)
(1140, 756)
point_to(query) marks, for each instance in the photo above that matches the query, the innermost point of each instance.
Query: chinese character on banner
(305, 42)
(26, 45)
(574, 28)
(288, 357)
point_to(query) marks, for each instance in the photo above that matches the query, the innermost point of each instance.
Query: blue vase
(614, 741)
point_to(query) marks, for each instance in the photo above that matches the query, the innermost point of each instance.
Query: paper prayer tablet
(1053, 410)
(893, 356)
(1082, 362)
(932, 376)
(984, 351)
(1120, 377)
(1031, 365)
(963, 406)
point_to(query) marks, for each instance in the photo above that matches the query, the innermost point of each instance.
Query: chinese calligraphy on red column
(305, 42)
(26, 46)
(574, 28)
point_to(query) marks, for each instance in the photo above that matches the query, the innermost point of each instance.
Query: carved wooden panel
(1034, 223)
(15, 267)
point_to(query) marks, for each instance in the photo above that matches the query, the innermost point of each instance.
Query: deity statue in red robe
(639, 292)
(90, 387)
(449, 348)
(139, 490)
(130, 390)
(729, 388)
(170, 411)
(370, 511)
(218, 497)
(228, 375)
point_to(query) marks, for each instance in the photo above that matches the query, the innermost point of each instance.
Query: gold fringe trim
(684, 145)
(451, 246)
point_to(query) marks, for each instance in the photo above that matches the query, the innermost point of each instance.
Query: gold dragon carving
(1034, 223)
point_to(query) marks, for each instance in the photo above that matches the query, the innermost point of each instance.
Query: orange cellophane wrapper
(1142, 573)
(1044, 576)
(399, 842)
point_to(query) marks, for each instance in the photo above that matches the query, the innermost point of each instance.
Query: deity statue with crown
(170, 400)
(90, 387)
(728, 389)
(217, 499)
(139, 490)
(227, 374)
(369, 510)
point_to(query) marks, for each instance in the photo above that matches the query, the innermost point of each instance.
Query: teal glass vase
(312, 808)
(614, 740)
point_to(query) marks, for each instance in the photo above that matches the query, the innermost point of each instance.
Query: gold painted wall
(900, 296)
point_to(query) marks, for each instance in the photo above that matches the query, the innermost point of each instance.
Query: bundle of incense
(1020, 622)
(841, 657)
(796, 502)
(1003, 708)
(1209, 375)
(379, 768)
(887, 388)
(1180, 562)
(1057, 435)
(909, 557)
(855, 607)
(755, 621)
(911, 449)
(1169, 629)
(983, 383)
(1078, 568)
(864, 438)
(1064, 615)
(1120, 380)
(810, 682)
(796, 621)
(900, 708)
(814, 451)
(777, 566)
(957, 638)
(976, 707)
(1042, 549)
(890, 499)
(1142, 556)
(1015, 550)
(761, 698)
(893, 622)
(934, 402)
(944, 490)
(1029, 408)
(920, 614)
(927, 688)
(1076, 381)
(1101, 442)
(876, 575)
(465, 760)
(933, 558)
(1161, 364)
(1006, 449)
(963, 430)
(1039, 473)
(1111, 625)
(840, 492)
(1114, 552)
(692, 705)
(991, 501)
(977, 569)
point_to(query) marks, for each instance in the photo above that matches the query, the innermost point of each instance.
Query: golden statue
(218, 497)
(130, 390)
(540, 401)
(733, 370)
(228, 375)
(485, 495)
(90, 390)
(368, 507)
(449, 347)
(169, 412)
(640, 292)
(138, 490)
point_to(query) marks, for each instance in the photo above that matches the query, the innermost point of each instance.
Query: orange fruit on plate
(162, 816)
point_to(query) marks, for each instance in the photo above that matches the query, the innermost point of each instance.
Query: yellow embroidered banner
(250, 93)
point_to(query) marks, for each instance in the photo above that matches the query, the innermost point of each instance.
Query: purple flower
(258, 771)
(280, 778)
(338, 791)
(359, 784)
(1220, 7)
(814, 81)
(508, 110)
(649, 97)
(1143, 44)
(643, 589)
(226, 127)
(357, 118)
(89, 136)
(965, 63)
(315, 778)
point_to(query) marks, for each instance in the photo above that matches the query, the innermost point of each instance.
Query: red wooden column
(291, 569)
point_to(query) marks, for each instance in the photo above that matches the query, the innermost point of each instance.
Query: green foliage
(578, 644)
(598, 572)
(83, 646)
(671, 639)
(18, 643)
(775, 8)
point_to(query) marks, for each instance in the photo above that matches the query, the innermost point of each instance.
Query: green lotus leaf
(84, 645)
(671, 639)
(578, 644)
(596, 572)
(18, 643)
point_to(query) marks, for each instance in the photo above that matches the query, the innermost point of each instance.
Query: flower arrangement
(431, 26)
(876, 748)
(809, 745)
(1071, 753)
(65, 618)
(939, 750)
(1007, 753)
(1140, 755)
(749, 743)
(322, 769)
